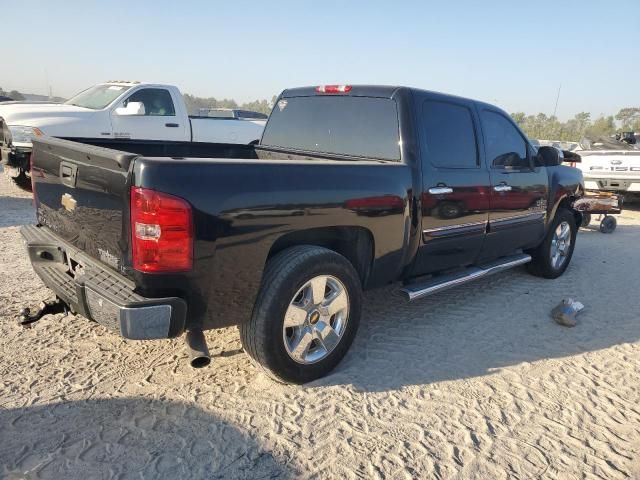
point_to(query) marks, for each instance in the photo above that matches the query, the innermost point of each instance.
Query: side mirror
(132, 108)
(549, 156)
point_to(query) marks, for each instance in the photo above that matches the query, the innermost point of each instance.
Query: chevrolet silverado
(350, 188)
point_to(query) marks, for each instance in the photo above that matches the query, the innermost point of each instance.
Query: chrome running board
(440, 283)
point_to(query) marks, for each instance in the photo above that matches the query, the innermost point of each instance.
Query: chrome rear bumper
(98, 292)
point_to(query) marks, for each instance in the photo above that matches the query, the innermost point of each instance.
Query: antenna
(555, 109)
(46, 76)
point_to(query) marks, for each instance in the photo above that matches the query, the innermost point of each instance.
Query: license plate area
(622, 184)
(74, 267)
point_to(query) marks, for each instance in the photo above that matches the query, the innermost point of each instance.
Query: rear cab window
(352, 126)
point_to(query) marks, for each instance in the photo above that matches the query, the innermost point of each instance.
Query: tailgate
(81, 194)
(620, 165)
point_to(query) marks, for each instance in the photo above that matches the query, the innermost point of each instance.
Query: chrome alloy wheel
(560, 245)
(316, 319)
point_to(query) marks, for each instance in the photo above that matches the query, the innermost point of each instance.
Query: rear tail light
(161, 232)
(333, 89)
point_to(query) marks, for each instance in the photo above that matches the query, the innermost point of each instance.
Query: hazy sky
(513, 53)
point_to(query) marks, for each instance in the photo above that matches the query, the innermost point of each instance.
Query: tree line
(545, 127)
(13, 94)
(195, 103)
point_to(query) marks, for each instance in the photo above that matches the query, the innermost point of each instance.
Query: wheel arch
(354, 243)
(566, 202)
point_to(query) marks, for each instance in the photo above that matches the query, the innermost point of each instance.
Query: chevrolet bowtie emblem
(68, 202)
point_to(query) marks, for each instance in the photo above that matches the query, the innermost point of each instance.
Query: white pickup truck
(610, 165)
(154, 116)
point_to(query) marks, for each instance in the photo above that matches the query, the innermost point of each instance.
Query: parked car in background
(559, 144)
(351, 187)
(5, 99)
(231, 113)
(107, 113)
(610, 165)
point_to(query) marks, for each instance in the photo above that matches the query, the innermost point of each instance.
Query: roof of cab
(381, 91)
(384, 91)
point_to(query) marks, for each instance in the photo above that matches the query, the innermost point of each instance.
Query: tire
(543, 263)
(608, 224)
(289, 282)
(586, 220)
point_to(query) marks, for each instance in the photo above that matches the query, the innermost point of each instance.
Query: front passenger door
(157, 121)
(519, 188)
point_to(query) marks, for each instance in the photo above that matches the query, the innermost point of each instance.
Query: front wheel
(306, 314)
(551, 258)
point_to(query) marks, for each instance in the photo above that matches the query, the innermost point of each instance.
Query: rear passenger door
(519, 188)
(456, 186)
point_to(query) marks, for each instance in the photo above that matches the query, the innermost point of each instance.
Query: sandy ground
(477, 382)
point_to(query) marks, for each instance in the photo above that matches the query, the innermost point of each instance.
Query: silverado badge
(68, 202)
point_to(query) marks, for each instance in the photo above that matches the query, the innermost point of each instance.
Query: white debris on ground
(565, 312)
(476, 382)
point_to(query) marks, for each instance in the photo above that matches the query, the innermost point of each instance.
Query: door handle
(68, 174)
(440, 190)
(503, 187)
(171, 125)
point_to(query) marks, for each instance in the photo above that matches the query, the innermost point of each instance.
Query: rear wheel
(551, 258)
(306, 315)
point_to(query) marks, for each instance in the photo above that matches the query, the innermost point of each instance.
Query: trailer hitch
(47, 307)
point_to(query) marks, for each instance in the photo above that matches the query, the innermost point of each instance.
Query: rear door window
(353, 126)
(449, 135)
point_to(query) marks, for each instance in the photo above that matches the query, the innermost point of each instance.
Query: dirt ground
(476, 382)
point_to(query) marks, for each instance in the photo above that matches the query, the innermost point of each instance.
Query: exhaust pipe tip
(200, 362)
(197, 347)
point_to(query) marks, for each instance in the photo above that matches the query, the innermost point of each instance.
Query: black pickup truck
(350, 188)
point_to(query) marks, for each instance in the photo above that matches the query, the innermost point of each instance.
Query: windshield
(356, 126)
(97, 97)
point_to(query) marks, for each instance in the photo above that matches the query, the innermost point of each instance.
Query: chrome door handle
(503, 187)
(440, 190)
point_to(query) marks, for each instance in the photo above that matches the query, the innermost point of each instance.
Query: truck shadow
(504, 320)
(128, 438)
